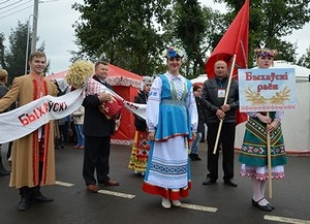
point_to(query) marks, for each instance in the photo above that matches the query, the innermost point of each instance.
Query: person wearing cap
(253, 155)
(172, 119)
(140, 148)
(212, 99)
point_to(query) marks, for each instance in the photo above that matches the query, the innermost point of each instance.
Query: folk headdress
(265, 52)
(171, 52)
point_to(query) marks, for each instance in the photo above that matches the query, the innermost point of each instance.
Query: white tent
(200, 79)
(301, 72)
(295, 124)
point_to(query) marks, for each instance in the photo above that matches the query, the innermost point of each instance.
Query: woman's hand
(272, 126)
(263, 118)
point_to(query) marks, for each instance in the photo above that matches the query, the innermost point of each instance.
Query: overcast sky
(55, 27)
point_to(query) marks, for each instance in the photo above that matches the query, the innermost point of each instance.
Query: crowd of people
(164, 143)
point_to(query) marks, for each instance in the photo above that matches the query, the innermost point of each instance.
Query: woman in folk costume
(172, 120)
(254, 149)
(140, 148)
(33, 156)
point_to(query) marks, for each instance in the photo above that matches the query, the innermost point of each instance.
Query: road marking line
(118, 194)
(286, 220)
(64, 184)
(130, 196)
(198, 207)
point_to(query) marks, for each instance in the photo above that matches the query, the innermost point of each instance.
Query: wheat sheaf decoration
(257, 99)
(280, 97)
(79, 72)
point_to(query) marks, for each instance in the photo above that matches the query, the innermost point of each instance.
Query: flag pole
(269, 163)
(225, 101)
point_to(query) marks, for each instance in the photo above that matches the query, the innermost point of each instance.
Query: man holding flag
(213, 96)
(231, 51)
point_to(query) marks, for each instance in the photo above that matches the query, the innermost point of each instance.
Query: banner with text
(271, 89)
(28, 118)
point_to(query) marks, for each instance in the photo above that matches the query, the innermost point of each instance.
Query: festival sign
(271, 89)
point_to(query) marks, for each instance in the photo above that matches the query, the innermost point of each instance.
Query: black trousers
(96, 158)
(227, 140)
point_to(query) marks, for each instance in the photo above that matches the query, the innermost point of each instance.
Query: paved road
(216, 204)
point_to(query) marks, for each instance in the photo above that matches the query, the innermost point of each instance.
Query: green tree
(305, 59)
(15, 55)
(2, 39)
(197, 28)
(126, 35)
(270, 20)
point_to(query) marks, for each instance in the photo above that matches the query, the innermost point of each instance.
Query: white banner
(28, 118)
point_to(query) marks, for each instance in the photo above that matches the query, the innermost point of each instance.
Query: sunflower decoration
(280, 97)
(78, 73)
(254, 97)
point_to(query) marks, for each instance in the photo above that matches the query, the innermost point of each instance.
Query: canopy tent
(127, 85)
(301, 73)
(295, 124)
(199, 80)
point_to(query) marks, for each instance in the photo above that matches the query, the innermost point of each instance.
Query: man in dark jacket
(97, 130)
(213, 97)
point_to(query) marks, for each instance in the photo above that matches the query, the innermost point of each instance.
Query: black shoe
(197, 157)
(38, 196)
(24, 204)
(192, 156)
(271, 205)
(230, 183)
(267, 208)
(208, 181)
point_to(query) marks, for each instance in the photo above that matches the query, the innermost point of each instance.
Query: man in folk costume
(33, 156)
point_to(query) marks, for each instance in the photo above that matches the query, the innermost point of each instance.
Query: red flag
(233, 42)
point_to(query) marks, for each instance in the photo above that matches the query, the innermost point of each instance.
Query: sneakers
(167, 204)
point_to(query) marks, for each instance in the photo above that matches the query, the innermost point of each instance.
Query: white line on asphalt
(117, 194)
(286, 220)
(64, 184)
(130, 196)
(198, 207)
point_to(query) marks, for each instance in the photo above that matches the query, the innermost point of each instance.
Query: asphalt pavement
(127, 203)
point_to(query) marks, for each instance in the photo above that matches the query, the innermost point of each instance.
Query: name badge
(221, 93)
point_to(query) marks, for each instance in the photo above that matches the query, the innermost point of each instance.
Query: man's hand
(104, 96)
(220, 114)
(225, 107)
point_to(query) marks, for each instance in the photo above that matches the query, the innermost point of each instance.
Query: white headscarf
(146, 80)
